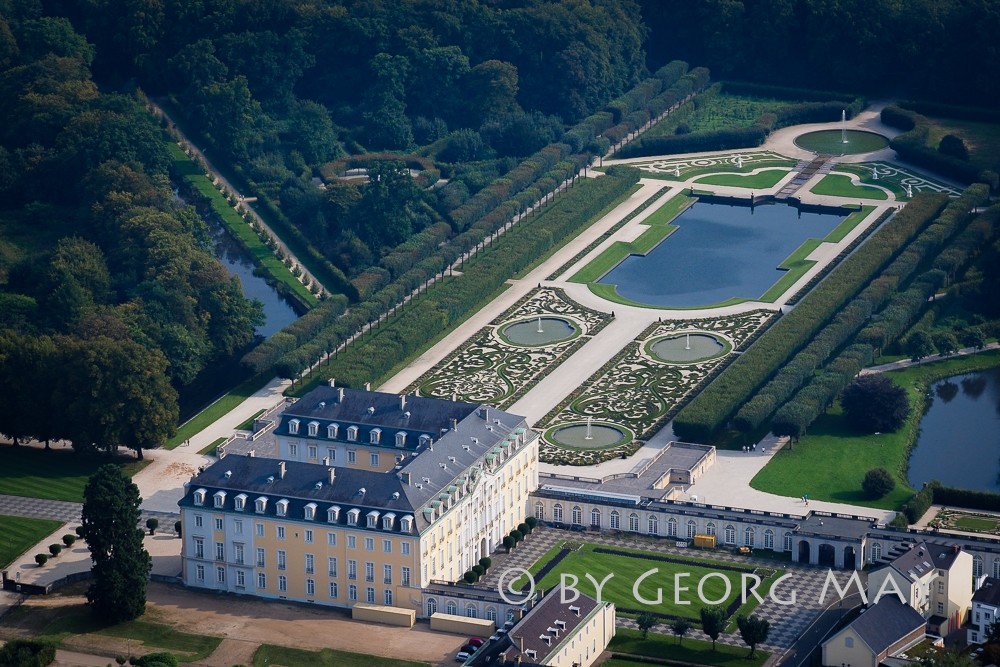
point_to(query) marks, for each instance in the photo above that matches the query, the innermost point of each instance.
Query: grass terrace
(627, 642)
(891, 177)
(20, 534)
(270, 655)
(745, 162)
(831, 461)
(56, 474)
(842, 185)
(760, 180)
(721, 582)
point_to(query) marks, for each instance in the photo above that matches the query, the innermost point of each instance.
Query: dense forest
(451, 115)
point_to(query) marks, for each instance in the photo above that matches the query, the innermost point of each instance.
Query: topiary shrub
(486, 562)
(478, 570)
(877, 483)
(953, 146)
(470, 577)
(41, 559)
(68, 540)
(55, 549)
(532, 522)
(177, 528)
(152, 523)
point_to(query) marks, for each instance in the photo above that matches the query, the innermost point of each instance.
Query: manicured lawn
(689, 650)
(849, 223)
(271, 655)
(627, 570)
(57, 474)
(764, 179)
(20, 534)
(839, 185)
(77, 620)
(977, 524)
(831, 461)
(609, 293)
(210, 449)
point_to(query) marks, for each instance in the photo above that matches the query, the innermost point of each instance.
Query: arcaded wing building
(371, 498)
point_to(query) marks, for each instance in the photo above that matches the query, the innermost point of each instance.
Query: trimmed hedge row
(977, 500)
(918, 505)
(713, 407)
(375, 353)
(848, 321)
(263, 357)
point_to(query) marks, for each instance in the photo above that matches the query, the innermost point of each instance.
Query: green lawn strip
(840, 185)
(154, 636)
(795, 266)
(690, 172)
(976, 524)
(57, 474)
(248, 424)
(831, 461)
(271, 655)
(627, 571)
(210, 449)
(763, 179)
(216, 410)
(841, 231)
(610, 293)
(690, 650)
(243, 232)
(20, 534)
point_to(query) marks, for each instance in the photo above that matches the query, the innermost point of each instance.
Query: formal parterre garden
(491, 368)
(970, 522)
(886, 178)
(687, 167)
(639, 391)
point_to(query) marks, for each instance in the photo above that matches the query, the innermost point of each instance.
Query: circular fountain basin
(687, 348)
(600, 436)
(526, 332)
(832, 142)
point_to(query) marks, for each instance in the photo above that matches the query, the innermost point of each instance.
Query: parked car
(462, 656)
(476, 641)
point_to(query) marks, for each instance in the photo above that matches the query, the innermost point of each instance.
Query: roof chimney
(520, 643)
(402, 401)
(326, 460)
(333, 383)
(331, 474)
(454, 424)
(252, 453)
(404, 477)
(281, 469)
(340, 394)
(368, 386)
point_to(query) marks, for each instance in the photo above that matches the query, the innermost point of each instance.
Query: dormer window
(372, 519)
(310, 511)
(375, 435)
(331, 430)
(406, 524)
(240, 502)
(260, 505)
(333, 514)
(199, 496)
(352, 517)
(424, 440)
(293, 427)
(401, 439)
(281, 507)
(352, 433)
(219, 499)
(388, 520)
(313, 429)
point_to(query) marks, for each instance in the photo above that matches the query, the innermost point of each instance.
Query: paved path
(906, 363)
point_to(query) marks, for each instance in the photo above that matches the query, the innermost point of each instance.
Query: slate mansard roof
(887, 622)
(925, 557)
(425, 478)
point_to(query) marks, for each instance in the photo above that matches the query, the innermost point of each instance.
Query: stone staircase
(803, 171)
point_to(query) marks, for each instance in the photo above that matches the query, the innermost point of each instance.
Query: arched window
(710, 528)
(768, 539)
(451, 607)
(848, 642)
(692, 529)
(633, 522)
(432, 606)
(730, 534)
(652, 525)
(787, 542)
(671, 527)
(977, 567)
(577, 515)
(595, 518)
(471, 611)
(539, 511)
(996, 568)
(875, 552)
(616, 520)
(491, 614)
(748, 536)
(557, 513)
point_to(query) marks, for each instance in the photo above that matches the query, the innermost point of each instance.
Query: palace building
(372, 497)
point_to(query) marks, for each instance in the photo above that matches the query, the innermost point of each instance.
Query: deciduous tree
(874, 403)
